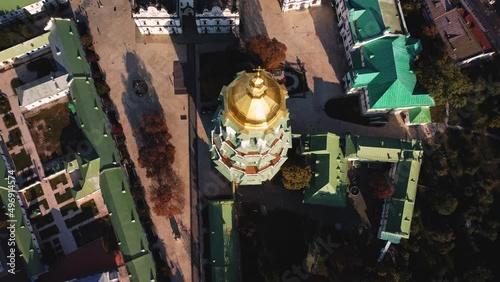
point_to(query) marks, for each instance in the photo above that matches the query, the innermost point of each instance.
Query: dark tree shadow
(136, 106)
(251, 21)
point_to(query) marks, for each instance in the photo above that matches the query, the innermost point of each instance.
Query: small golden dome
(255, 101)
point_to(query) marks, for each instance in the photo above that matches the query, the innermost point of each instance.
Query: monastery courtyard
(308, 39)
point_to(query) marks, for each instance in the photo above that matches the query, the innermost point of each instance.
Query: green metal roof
(91, 116)
(25, 47)
(103, 156)
(419, 115)
(67, 49)
(12, 5)
(369, 19)
(365, 19)
(328, 184)
(388, 75)
(123, 214)
(90, 179)
(224, 242)
(356, 58)
(385, 149)
(24, 241)
(140, 269)
(401, 204)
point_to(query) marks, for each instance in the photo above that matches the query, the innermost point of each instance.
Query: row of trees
(157, 155)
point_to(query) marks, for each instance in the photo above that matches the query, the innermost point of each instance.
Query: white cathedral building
(211, 16)
(294, 5)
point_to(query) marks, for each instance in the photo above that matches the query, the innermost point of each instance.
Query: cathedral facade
(169, 17)
(251, 136)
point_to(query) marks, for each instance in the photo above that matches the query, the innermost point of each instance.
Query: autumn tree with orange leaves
(270, 52)
(157, 156)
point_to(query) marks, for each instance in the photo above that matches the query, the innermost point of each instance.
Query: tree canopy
(445, 82)
(295, 176)
(446, 204)
(270, 52)
(157, 156)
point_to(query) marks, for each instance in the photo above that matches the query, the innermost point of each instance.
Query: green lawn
(11, 5)
(4, 105)
(61, 178)
(89, 210)
(67, 208)
(9, 120)
(60, 198)
(48, 232)
(21, 160)
(33, 192)
(53, 130)
(15, 136)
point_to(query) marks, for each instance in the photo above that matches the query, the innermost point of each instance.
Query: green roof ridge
(224, 241)
(104, 157)
(392, 83)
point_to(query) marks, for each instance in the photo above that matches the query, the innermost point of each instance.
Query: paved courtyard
(127, 56)
(312, 38)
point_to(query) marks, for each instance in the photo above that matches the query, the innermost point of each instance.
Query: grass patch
(61, 178)
(61, 198)
(21, 160)
(4, 105)
(89, 210)
(346, 109)
(94, 230)
(53, 130)
(69, 207)
(15, 138)
(9, 120)
(49, 232)
(42, 66)
(33, 193)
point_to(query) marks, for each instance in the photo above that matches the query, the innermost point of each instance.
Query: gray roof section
(42, 88)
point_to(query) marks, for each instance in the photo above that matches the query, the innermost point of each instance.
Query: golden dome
(255, 101)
